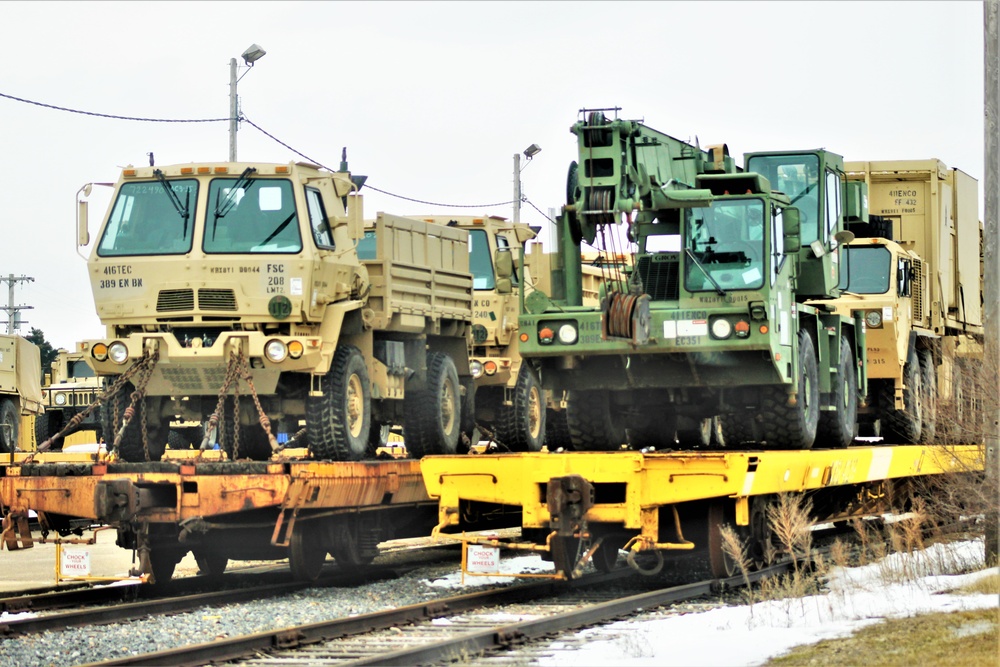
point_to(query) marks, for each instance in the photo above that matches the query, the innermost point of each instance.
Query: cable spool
(618, 315)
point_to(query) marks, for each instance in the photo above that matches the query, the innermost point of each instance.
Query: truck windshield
(726, 246)
(145, 220)
(865, 269)
(798, 177)
(255, 216)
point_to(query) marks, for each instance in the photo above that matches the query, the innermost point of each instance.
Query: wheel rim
(448, 404)
(355, 406)
(534, 412)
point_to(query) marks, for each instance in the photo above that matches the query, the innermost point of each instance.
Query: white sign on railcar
(75, 563)
(481, 559)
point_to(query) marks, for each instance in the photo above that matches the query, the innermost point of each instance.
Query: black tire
(606, 557)
(253, 442)
(698, 437)
(718, 440)
(928, 414)
(433, 413)
(837, 428)
(131, 448)
(655, 433)
(468, 415)
(10, 426)
(47, 425)
(557, 430)
(339, 421)
(378, 435)
(176, 440)
(903, 426)
(521, 426)
(735, 429)
(592, 425)
(794, 426)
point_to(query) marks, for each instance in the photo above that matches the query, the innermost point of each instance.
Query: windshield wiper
(182, 209)
(687, 251)
(226, 205)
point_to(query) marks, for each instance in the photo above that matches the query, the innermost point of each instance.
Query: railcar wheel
(339, 421)
(928, 421)
(838, 428)
(903, 426)
(722, 563)
(521, 426)
(305, 552)
(794, 426)
(433, 414)
(565, 553)
(210, 563)
(593, 426)
(606, 556)
(352, 546)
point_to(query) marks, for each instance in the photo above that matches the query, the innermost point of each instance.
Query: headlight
(567, 334)
(721, 329)
(117, 352)
(60, 398)
(99, 351)
(476, 367)
(873, 319)
(275, 351)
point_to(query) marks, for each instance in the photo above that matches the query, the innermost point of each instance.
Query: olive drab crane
(712, 321)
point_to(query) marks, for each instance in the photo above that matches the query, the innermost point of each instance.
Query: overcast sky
(432, 100)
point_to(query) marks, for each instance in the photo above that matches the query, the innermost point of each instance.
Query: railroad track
(112, 604)
(444, 629)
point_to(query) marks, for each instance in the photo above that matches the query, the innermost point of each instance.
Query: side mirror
(503, 262)
(790, 222)
(82, 225)
(355, 219)
(504, 286)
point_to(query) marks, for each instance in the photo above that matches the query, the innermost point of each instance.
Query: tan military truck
(68, 389)
(914, 269)
(20, 388)
(233, 295)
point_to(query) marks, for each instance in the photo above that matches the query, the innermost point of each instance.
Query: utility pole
(234, 110)
(13, 321)
(517, 188)
(991, 261)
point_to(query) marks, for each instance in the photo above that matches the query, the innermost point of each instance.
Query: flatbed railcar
(288, 507)
(579, 506)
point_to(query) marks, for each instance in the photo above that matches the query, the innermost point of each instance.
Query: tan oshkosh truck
(243, 280)
(20, 388)
(915, 271)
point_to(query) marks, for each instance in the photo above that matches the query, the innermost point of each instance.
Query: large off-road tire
(735, 429)
(903, 426)
(794, 426)
(433, 414)
(556, 430)
(252, 442)
(47, 425)
(694, 433)
(521, 426)
(131, 448)
(339, 421)
(378, 435)
(928, 414)
(10, 423)
(838, 428)
(593, 426)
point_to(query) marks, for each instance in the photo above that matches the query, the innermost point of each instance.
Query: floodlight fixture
(532, 150)
(253, 54)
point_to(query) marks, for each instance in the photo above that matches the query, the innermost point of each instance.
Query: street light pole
(517, 187)
(233, 110)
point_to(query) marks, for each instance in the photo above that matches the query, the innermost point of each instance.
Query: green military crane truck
(712, 320)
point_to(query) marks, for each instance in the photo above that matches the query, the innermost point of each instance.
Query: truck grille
(216, 299)
(659, 275)
(917, 291)
(174, 300)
